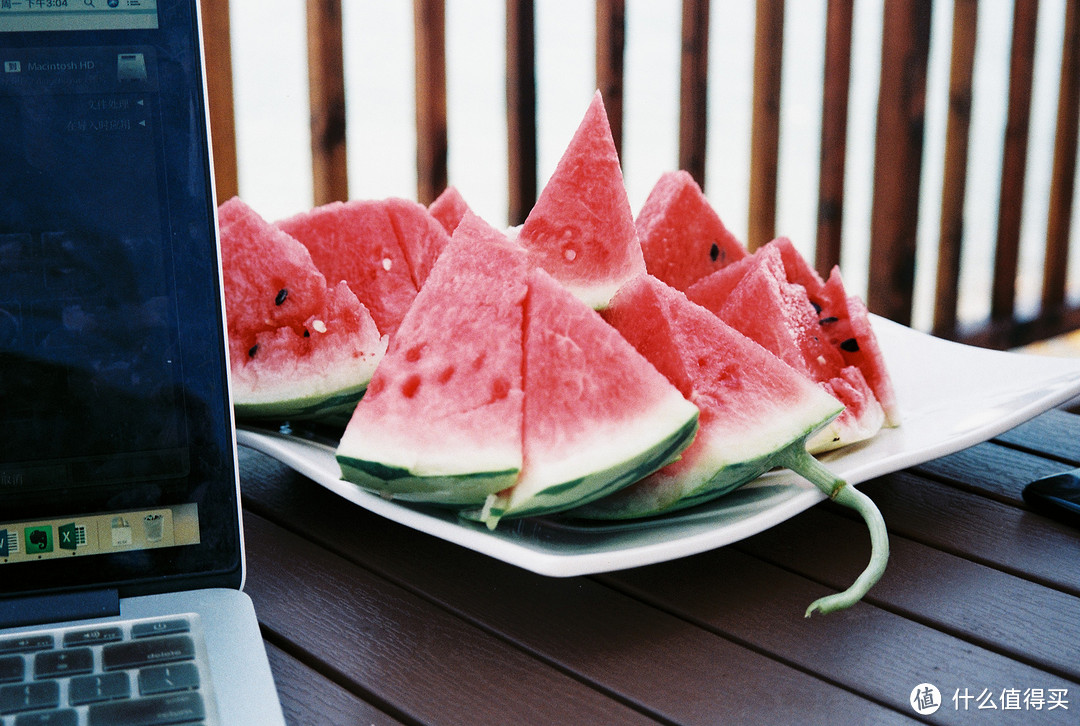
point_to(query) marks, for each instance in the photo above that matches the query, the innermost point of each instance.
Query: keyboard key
(160, 627)
(29, 696)
(92, 637)
(66, 717)
(150, 651)
(12, 669)
(92, 689)
(26, 643)
(157, 711)
(56, 663)
(168, 679)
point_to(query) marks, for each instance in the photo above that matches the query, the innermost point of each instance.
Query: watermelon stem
(802, 463)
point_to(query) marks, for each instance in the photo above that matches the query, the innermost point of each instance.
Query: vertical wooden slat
(1014, 159)
(898, 151)
(610, 49)
(834, 112)
(520, 108)
(765, 128)
(965, 21)
(326, 91)
(217, 39)
(429, 28)
(693, 88)
(1064, 166)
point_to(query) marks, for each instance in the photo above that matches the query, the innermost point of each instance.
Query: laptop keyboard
(125, 673)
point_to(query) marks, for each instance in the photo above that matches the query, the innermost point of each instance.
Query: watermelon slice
(441, 421)
(297, 348)
(581, 229)
(598, 416)
(756, 298)
(846, 323)
(384, 250)
(682, 237)
(756, 411)
(448, 208)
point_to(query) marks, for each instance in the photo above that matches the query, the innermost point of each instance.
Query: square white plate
(950, 396)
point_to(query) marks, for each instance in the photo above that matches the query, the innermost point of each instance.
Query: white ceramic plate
(950, 396)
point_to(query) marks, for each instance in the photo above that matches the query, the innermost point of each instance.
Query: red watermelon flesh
(581, 229)
(442, 418)
(752, 404)
(846, 323)
(598, 415)
(382, 248)
(779, 315)
(297, 349)
(682, 237)
(259, 261)
(421, 236)
(449, 207)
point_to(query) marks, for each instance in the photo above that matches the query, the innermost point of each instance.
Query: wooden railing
(898, 153)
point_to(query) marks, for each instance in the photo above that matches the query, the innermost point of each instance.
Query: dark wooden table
(367, 621)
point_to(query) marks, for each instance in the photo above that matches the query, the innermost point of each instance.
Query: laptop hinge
(58, 607)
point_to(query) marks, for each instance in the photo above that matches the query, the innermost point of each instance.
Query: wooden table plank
(307, 697)
(602, 637)
(1023, 543)
(1052, 434)
(991, 470)
(395, 648)
(1036, 625)
(877, 653)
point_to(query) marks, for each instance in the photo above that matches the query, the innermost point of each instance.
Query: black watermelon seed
(850, 345)
(307, 333)
(253, 350)
(281, 295)
(714, 252)
(826, 321)
(817, 308)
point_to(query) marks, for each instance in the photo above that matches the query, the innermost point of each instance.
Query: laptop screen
(115, 431)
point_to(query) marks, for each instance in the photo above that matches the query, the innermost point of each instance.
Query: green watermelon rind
(724, 479)
(312, 407)
(450, 490)
(592, 485)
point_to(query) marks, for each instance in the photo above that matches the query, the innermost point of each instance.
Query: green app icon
(67, 535)
(38, 540)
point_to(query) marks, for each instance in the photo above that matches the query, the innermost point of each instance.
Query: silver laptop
(121, 551)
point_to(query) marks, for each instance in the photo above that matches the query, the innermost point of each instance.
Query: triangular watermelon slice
(756, 411)
(846, 323)
(448, 208)
(383, 249)
(598, 415)
(581, 229)
(297, 348)
(755, 297)
(682, 237)
(441, 421)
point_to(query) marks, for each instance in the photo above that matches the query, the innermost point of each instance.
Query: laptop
(121, 550)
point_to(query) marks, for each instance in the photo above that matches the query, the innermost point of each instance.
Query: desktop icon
(68, 536)
(38, 540)
(121, 532)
